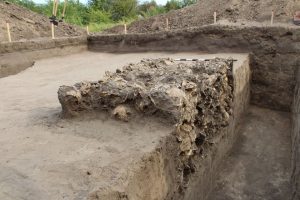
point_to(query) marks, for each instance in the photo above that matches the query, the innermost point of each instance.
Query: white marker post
(125, 29)
(64, 10)
(8, 31)
(87, 30)
(272, 18)
(52, 31)
(167, 24)
(215, 17)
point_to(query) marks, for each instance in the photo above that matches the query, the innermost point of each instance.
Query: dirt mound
(25, 24)
(201, 13)
(197, 96)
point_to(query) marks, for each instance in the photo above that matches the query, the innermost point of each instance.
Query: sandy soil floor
(259, 165)
(46, 157)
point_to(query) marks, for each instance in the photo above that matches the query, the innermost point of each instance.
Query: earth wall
(18, 56)
(274, 53)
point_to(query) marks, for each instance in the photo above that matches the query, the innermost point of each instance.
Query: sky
(161, 2)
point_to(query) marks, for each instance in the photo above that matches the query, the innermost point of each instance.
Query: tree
(98, 16)
(173, 5)
(150, 8)
(144, 7)
(188, 2)
(122, 9)
(104, 5)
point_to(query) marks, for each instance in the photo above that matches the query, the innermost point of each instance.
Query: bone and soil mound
(25, 24)
(196, 97)
(201, 13)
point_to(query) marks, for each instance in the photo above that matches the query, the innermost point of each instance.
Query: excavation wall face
(296, 140)
(17, 56)
(274, 53)
(202, 182)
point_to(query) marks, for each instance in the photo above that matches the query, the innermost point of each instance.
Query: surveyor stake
(8, 31)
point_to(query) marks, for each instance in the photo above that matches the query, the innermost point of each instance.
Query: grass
(99, 27)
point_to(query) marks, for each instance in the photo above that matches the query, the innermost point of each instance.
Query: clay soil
(26, 24)
(201, 13)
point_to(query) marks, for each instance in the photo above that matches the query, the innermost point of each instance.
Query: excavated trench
(220, 147)
(218, 129)
(264, 160)
(207, 103)
(203, 101)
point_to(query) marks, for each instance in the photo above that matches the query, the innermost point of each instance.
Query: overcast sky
(162, 2)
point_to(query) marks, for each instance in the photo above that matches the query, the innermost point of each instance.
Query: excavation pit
(200, 101)
(95, 155)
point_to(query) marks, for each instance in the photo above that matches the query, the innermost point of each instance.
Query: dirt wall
(296, 141)
(274, 53)
(203, 181)
(196, 182)
(18, 56)
(35, 45)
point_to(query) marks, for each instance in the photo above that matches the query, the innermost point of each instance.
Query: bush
(98, 16)
(123, 9)
(149, 9)
(173, 5)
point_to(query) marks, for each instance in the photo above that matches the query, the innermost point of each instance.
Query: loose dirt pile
(26, 24)
(195, 96)
(201, 13)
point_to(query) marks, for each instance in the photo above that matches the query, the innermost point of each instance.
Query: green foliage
(101, 14)
(27, 4)
(104, 5)
(149, 9)
(173, 5)
(98, 16)
(98, 27)
(76, 13)
(177, 4)
(187, 2)
(144, 7)
(123, 9)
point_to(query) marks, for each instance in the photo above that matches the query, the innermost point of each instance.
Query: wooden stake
(167, 24)
(53, 9)
(56, 7)
(52, 31)
(64, 11)
(215, 17)
(272, 18)
(87, 30)
(125, 28)
(8, 32)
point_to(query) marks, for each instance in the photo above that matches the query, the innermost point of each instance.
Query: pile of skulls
(197, 96)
